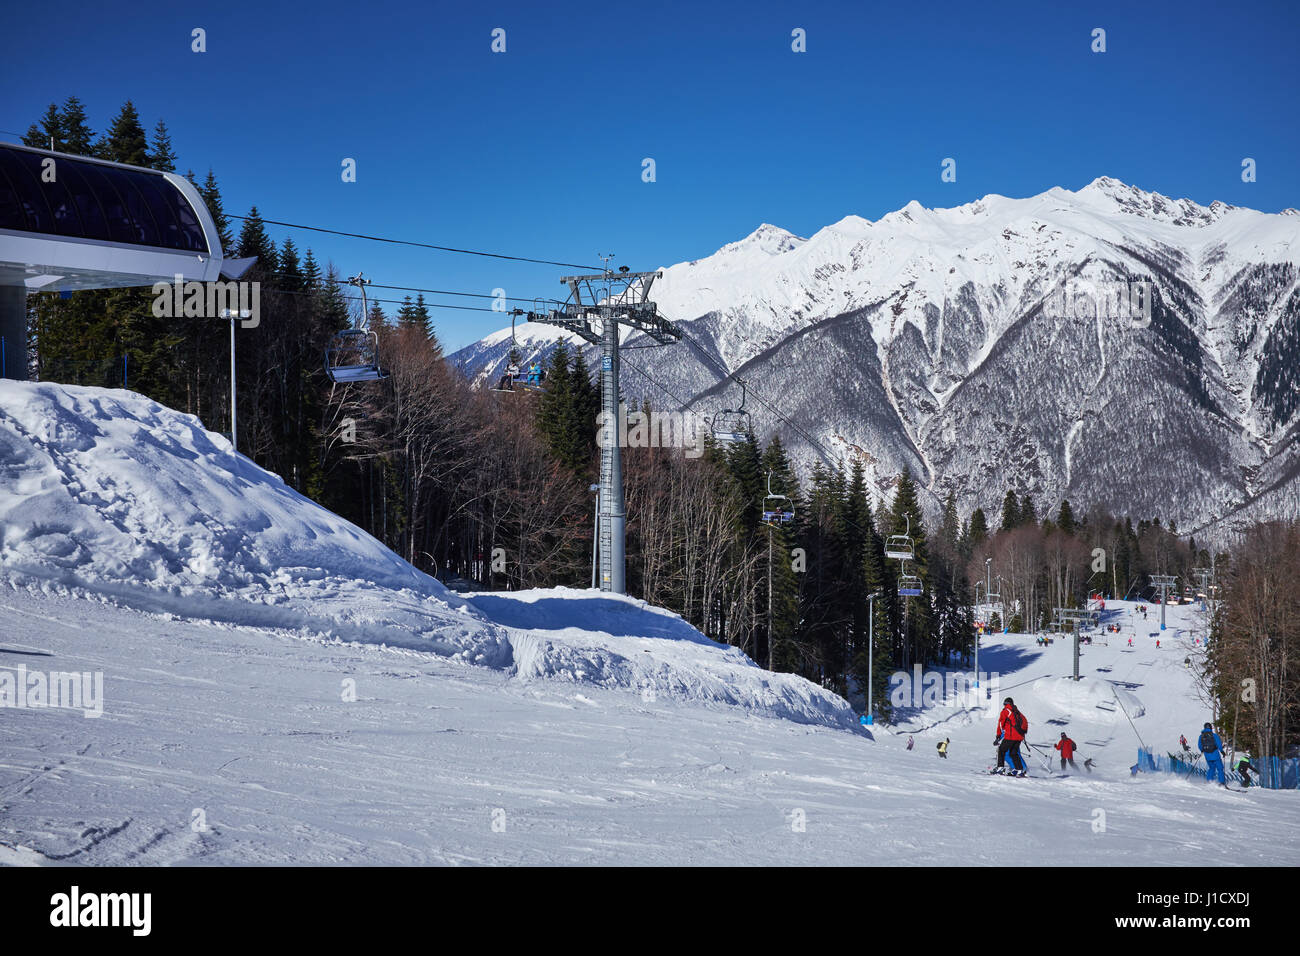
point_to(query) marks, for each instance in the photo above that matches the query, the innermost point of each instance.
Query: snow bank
(617, 641)
(104, 492)
(104, 485)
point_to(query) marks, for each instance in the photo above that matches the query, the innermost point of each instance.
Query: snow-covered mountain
(1007, 342)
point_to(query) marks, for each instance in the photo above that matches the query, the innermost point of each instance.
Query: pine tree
(253, 241)
(1065, 518)
(406, 314)
(951, 528)
(586, 409)
(211, 195)
(979, 529)
(1028, 513)
(49, 131)
(423, 319)
(162, 156)
(1010, 511)
(125, 142)
(76, 136)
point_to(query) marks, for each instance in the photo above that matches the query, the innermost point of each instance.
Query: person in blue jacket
(1212, 747)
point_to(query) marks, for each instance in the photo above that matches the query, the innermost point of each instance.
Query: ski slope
(279, 688)
(439, 762)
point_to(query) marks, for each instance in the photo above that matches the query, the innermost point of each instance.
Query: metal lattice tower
(1077, 617)
(1207, 581)
(596, 307)
(1164, 582)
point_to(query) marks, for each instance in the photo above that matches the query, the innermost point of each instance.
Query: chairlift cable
(409, 242)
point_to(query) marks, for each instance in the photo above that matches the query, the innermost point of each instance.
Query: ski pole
(1046, 765)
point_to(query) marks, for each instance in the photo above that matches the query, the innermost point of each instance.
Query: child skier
(1244, 767)
(943, 747)
(1067, 747)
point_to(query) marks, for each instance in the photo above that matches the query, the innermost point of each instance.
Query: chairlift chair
(516, 376)
(353, 354)
(899, 546)
(733, 426)
(773, 511)
(909, 585)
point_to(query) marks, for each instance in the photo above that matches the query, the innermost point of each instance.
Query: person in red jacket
(1067, 747)
(1011, 731)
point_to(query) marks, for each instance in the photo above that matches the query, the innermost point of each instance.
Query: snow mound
(1088, 697)
(104, 485)
(108, 494)
(617, 641)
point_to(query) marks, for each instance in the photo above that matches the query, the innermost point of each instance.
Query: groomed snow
(435, 762)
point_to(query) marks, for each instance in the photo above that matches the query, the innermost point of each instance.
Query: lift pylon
(597, 305)
(1164, 582)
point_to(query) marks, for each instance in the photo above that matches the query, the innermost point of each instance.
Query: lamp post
(232, 315)
(871, 655)
(988, 571)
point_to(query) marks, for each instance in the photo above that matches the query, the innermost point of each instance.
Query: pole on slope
(988, 581)
(770, 655)
(1164, 582)
(234, 418)
(232, 315)
(871, 655)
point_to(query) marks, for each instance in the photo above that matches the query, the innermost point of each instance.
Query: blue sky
(538, 151)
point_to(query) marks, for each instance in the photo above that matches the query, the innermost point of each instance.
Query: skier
(1182, 739)
(1012, 727)
(1067, 747)
(1244, 767)
(1130, 642)
(909, 742)
(943, 748)
(1212, 747)
(1087, 765)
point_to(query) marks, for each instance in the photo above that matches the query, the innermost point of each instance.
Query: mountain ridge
(1010, 340)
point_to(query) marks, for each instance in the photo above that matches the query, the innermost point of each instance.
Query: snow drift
(108, 494)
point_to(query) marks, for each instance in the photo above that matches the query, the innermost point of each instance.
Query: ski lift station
(70, 222)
